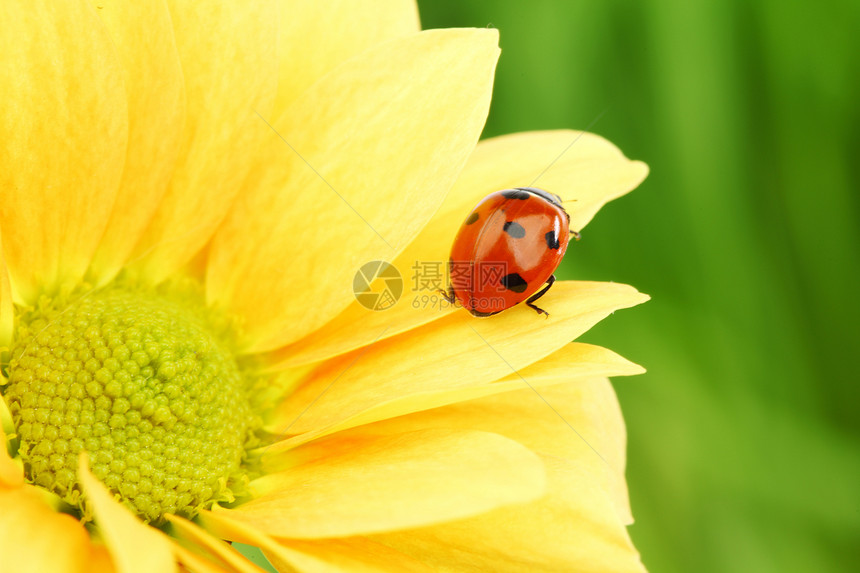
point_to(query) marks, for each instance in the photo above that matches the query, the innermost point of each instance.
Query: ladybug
(507, 249)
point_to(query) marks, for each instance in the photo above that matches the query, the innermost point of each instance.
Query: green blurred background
(744, 435)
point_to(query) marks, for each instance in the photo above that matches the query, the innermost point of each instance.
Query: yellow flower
(187, 192)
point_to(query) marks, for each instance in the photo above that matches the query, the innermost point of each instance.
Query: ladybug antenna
(575, 139)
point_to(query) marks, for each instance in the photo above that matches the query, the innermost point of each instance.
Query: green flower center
(145, 385)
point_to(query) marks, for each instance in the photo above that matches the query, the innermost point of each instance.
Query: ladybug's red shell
(508, 247)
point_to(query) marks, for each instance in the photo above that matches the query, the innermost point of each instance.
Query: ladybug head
(551, 197)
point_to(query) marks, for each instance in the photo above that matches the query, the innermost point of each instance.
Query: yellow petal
(135, 547)
(440, 356)
(382, 139)
(391, 482)
(586, 170)
(333, 32)
(99, 560)
(349, 555)
(193, 562)
(6, 421)
(222, 524)
(7, 309)
(64, 127)
(11, 473)
(579, 420)
(228, 52)
(34, 538)
(203, 540)
(143, 36)
(573, 528)
(592, 170)
(578, 430)
(574, 361)
(358, 326)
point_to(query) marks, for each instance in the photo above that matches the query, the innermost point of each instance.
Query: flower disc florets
(142, 384)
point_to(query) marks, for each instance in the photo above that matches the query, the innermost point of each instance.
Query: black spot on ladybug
(472, 218)
(514, 229)
(516, 194)
(514, 282)
(552, 240)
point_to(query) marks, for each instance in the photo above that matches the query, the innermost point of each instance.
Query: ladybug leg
(447, 295)
(538, 294)
(576, 235)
